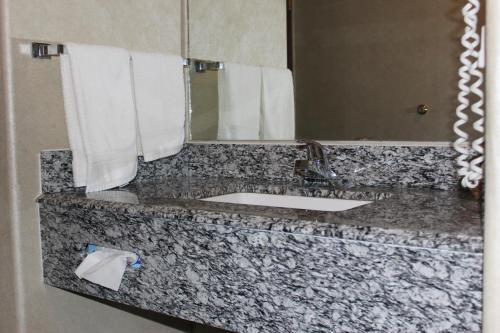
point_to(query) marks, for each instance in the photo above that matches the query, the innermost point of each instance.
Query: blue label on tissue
(91, 248)
(136, 264)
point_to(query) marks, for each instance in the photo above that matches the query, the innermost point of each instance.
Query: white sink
(289, 201)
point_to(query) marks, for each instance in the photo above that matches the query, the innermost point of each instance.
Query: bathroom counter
(446, 220)
(409, 262)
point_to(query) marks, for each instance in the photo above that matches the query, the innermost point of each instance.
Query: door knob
(423, 109)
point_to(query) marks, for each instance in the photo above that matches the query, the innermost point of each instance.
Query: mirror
(377, 70)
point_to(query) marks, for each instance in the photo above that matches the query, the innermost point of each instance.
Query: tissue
(106, 267)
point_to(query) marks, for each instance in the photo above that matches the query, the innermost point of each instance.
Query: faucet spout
(316, 169)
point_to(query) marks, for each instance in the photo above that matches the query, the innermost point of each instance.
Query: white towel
(100, 115)
(239, 102)
(160, 102)
(79, 162)
(278, 106)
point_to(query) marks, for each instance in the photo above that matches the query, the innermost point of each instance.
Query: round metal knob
(423, 109)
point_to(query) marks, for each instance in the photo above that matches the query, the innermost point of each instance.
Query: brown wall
(363, 66)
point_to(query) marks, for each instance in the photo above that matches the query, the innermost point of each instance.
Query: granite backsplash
(357, 165)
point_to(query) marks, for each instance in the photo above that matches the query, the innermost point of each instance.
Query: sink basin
(289, 201)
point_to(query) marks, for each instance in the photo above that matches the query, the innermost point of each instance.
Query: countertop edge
(391, 236)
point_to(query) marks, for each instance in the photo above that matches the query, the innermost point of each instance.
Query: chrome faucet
(316, 169)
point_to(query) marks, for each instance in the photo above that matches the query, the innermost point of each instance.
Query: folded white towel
(100, 115)
(278, 106)
(79, 162)
(239, 102)
(160, 102)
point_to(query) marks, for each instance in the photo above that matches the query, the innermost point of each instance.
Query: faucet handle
(309, 142)
(316, 168)
(314, 149)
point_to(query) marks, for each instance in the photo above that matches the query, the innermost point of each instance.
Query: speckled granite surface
(409, 262)
(57, 174)
(426, 218)
(56, 171)
(357, 165)
(252, 281)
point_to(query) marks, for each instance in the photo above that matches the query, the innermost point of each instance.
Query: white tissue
(105, 267)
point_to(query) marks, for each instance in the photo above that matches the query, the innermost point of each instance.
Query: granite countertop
(445, 220)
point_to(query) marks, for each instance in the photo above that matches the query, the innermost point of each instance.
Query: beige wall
(491, 305)
(152, 25)
(38, 123)
(362, 68)
(251, 32)
(9, 320)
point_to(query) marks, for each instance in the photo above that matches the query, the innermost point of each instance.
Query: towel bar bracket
(46, 51)
(201, 66)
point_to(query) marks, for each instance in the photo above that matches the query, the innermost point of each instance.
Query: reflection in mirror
(362, 69)
(204, 101)
(240, 102)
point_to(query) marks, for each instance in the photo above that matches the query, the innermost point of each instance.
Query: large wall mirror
(377, 70)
